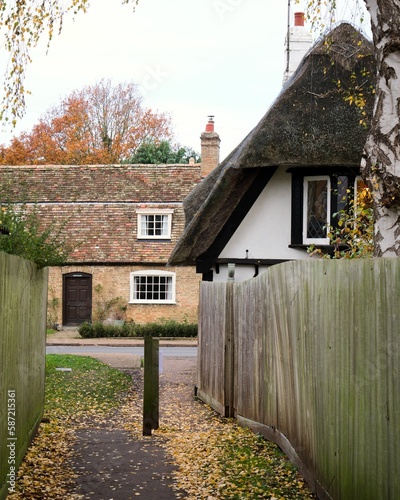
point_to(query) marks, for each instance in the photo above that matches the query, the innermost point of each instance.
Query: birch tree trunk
(381, 161)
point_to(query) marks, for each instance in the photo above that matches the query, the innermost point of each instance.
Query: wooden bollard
(151, 385)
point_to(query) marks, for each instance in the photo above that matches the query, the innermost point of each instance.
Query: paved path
(111, 463)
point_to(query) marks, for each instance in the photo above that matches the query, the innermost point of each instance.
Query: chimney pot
(210, 124)
(299, 18)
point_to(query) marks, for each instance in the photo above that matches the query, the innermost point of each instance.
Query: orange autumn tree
(98, 124)
(16, 153)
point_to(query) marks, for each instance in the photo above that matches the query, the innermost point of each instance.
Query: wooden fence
(23, 300)
(308, 354)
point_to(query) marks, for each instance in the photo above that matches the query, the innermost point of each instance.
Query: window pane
(158, 225)
(143, 220)
(165, 225)
(149, 225)
(343, 192)
(168, 289)
(154, 285)
(154, 225)
(140, 287)
(152, 288)
(163, 295)
(317, 217)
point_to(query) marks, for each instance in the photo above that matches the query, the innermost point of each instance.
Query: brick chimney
(209, 148)
(297, 43)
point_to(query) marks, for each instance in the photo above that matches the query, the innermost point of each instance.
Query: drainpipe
(231, 273)
(288, 39)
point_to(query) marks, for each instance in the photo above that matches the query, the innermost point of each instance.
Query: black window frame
(298, 175)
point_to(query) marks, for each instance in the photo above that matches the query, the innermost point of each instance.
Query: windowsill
(307, 245)
(317, 245)
(152, 303)
(154, 238)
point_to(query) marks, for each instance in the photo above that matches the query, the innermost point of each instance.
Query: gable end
(207, 259)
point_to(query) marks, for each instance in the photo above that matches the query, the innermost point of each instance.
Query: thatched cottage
(275, 194)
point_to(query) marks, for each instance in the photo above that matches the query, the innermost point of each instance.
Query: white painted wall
(265, 231)
(242, 273)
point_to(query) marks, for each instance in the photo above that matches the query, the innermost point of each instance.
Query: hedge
(131, 329)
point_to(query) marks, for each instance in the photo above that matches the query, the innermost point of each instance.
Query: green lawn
(90, 388)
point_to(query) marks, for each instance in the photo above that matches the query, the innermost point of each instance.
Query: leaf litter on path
(214, 457)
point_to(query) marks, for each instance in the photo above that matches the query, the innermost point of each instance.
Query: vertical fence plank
(23, 301)
(213, 327)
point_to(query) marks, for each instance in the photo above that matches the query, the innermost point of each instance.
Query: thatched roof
(310, 124)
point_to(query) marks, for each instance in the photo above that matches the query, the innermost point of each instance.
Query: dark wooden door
(77, 298)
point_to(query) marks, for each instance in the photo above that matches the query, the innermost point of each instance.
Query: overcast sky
(191, 58)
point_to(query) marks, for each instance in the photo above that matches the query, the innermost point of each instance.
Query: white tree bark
(381, 161)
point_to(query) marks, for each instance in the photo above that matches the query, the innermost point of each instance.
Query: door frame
(76, 274)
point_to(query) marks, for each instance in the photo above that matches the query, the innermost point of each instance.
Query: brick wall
(114, 281)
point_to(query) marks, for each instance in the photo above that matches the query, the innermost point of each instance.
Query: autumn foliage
(99, 124)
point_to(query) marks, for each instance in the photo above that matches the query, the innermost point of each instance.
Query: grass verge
(81, 397)
(89, 390)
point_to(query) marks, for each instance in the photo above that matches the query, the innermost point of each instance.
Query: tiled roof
(134, 183)
(99, 204)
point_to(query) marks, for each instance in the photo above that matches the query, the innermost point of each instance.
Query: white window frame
(141, 213)
(318, 241)
(152, 273)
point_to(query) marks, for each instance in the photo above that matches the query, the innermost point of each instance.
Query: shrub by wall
(23, 298)
(162, 329)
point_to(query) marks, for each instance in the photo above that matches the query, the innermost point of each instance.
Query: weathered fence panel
(316, 368)
(215, 349)
(23, 300)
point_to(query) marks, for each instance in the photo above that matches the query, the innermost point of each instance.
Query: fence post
(151, 385)
(229, 358)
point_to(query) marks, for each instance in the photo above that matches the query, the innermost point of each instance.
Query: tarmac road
(174, 352)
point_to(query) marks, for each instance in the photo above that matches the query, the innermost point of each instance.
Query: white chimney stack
(297, 43)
